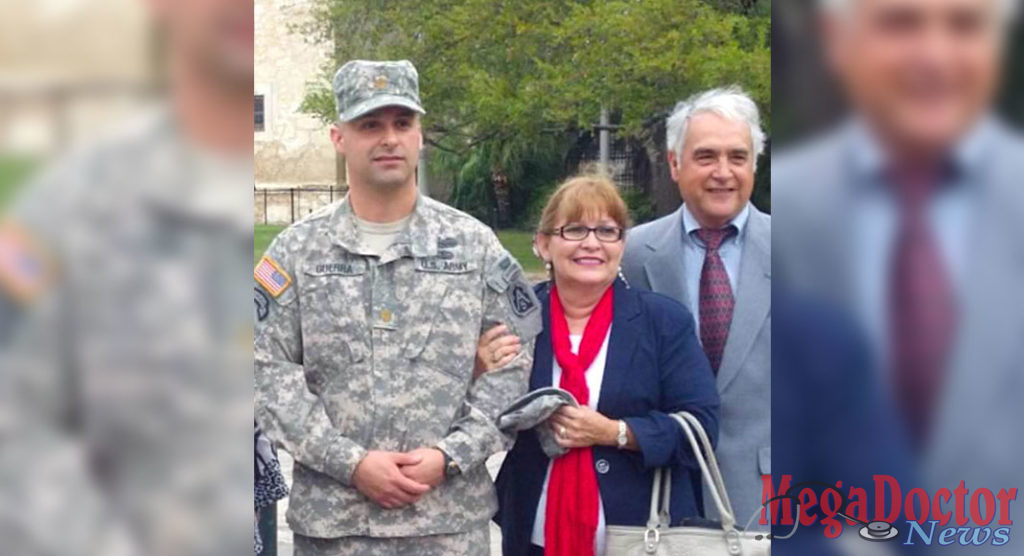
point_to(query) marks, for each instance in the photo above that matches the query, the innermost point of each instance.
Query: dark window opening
(258, 114)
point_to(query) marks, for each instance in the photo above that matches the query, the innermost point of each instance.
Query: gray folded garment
(533, 409)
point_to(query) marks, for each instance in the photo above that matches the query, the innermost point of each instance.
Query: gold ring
(494, 356)
(561, 431)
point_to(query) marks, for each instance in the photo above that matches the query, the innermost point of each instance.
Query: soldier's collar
(420, 234)
(343, 227)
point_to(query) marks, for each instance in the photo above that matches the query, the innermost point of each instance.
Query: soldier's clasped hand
(379, 477)
(430, 469)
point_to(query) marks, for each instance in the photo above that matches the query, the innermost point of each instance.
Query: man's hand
(379, 476)
(579, 427)
(430, 469)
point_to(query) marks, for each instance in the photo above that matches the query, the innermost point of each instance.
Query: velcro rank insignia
(25, 269)
(502, 273)
(271, 276)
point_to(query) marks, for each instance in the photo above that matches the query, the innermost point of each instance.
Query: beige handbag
(660, 539)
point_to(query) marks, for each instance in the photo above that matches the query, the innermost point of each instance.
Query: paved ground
(284, 535)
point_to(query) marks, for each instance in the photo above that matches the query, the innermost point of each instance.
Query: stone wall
(294, 148)
(64, 77)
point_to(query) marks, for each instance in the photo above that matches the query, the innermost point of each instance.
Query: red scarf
(570, 519)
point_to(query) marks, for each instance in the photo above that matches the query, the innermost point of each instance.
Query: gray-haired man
(714, 256)
(908, 217)
(368, 314)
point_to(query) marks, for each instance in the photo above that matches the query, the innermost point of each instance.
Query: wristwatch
(451, 469)
(622, 439)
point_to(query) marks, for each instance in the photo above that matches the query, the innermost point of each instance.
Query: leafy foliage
(1013, 101)
(641, 208)
(508, 84)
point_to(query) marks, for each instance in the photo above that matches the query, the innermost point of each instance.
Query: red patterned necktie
(922, 315)
(716, 300)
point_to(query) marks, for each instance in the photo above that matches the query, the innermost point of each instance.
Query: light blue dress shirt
(731, 252)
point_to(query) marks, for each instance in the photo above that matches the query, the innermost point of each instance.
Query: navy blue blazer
(655, 366)
(823, 390)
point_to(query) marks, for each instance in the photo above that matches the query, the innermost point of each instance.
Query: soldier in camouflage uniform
(125, 321)
(368, 314)
(132, 352)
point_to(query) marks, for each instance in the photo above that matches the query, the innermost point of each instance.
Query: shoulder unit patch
(522, 299)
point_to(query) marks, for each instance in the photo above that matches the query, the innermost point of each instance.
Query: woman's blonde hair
(582, 197)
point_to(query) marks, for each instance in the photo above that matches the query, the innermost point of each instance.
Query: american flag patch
(24, 270)
(272, 277)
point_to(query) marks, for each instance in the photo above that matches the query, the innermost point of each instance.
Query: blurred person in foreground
(370, 312)
(630, 358)
(713, 255)
(124, 368)
(910, 217)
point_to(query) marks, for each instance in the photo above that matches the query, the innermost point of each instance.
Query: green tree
(499, 180)
(508, 83)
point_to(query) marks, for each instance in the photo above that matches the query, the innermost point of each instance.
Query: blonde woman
(630, 358)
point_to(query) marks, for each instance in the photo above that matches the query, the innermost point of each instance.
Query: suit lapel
(542, 355)
(753, 300)
(664, 271)
(621, 345)
(985, 360)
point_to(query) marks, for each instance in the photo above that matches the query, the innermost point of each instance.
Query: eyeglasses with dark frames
(579, 232)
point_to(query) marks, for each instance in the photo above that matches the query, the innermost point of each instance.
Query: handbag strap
(709, 468)
(655, 523)
(709, 471)
(712, 460)
(652, 517)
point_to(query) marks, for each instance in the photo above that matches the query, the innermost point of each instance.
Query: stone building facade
(291, 149)
(64, 77)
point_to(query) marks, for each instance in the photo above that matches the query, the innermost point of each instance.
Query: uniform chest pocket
(333, 292)
(333, 319)
(444, 308)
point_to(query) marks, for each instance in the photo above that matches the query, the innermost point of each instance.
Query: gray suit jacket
(654, 260)
(976, 432)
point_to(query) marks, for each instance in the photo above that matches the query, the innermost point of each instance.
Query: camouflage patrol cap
(362, 86)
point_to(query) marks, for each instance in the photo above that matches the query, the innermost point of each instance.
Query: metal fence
(620, 163)
(627, 162)
(286, 205)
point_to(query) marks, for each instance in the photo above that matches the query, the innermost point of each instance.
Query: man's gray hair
(1008, 9)
(730, 103)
